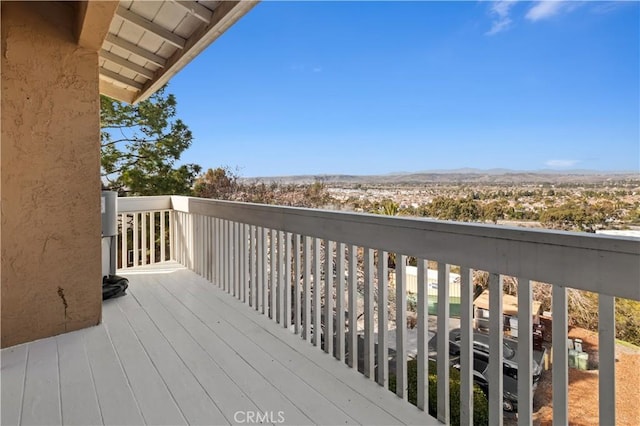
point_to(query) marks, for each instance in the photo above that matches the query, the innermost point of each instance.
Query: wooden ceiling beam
(136, 50)
(93, 19)
(120, 78)
(151, 27)
(119, 60)
(196, 9)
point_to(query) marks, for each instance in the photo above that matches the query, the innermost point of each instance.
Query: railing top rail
(140, 204)
(597, 263)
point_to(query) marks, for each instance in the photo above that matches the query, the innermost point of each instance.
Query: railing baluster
(245, 263)
(383, 319)
(317, 326)
(281, 281)
(328, 296)
(525, 352)
(496, 330)
(190, 246)
(466, 346)
(340, 301)
(252, 266)
(297, 272)
(163, 236)
(259, 271)
(152, 237)
(287, 280)
(307, 289)
(273, 264)
(369, 353)
(560, 376)
(265, 268)
(216, 249)
(443, 343)
(353, 307)
(123, 241)
(143, 239)
(401, 326)
(226, 247)
(196, 249)
(236, 260)
(172, 242)
(607, 359)
(212, 249)
(136, 235)
(423, 337)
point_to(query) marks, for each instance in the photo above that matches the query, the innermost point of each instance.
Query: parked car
(481, 364)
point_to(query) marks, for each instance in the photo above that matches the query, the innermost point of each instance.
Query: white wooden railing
(274, 258)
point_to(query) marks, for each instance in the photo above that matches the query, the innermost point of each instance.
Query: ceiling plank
(93, 19)
(136, 50)
(151, 27)
(120, 78)
(119, 60)
(196, 9)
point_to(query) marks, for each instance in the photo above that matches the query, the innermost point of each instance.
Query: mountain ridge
(469, 175)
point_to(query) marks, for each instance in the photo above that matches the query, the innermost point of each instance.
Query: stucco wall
(50, 175)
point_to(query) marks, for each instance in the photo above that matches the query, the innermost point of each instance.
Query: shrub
(480, 403)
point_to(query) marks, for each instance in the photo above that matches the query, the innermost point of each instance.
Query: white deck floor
(177, 350)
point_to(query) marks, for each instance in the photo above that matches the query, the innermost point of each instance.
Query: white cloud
(561, 163)
(317, 69)
(500, 10)
(546, 9)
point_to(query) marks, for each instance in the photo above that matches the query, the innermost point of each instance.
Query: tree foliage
(140, 145)
(220, 183)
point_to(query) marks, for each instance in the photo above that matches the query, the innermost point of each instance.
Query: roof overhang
(142, 44)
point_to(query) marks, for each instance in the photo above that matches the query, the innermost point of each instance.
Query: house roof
(509, 304)
(148, 42)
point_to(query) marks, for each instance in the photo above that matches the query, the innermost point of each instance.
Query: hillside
(494, 176)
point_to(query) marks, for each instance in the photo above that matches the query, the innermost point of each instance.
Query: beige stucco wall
(50, 175)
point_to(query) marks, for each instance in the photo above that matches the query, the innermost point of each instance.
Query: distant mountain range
(464, 175)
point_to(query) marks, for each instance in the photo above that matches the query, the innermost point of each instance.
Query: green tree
(140, 145)
(220, 184)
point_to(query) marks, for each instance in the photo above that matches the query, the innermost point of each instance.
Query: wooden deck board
(178, 350)
(14, 365)
(77, 390)
(41, 399)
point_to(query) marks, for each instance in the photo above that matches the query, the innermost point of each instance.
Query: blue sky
(379, 87)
